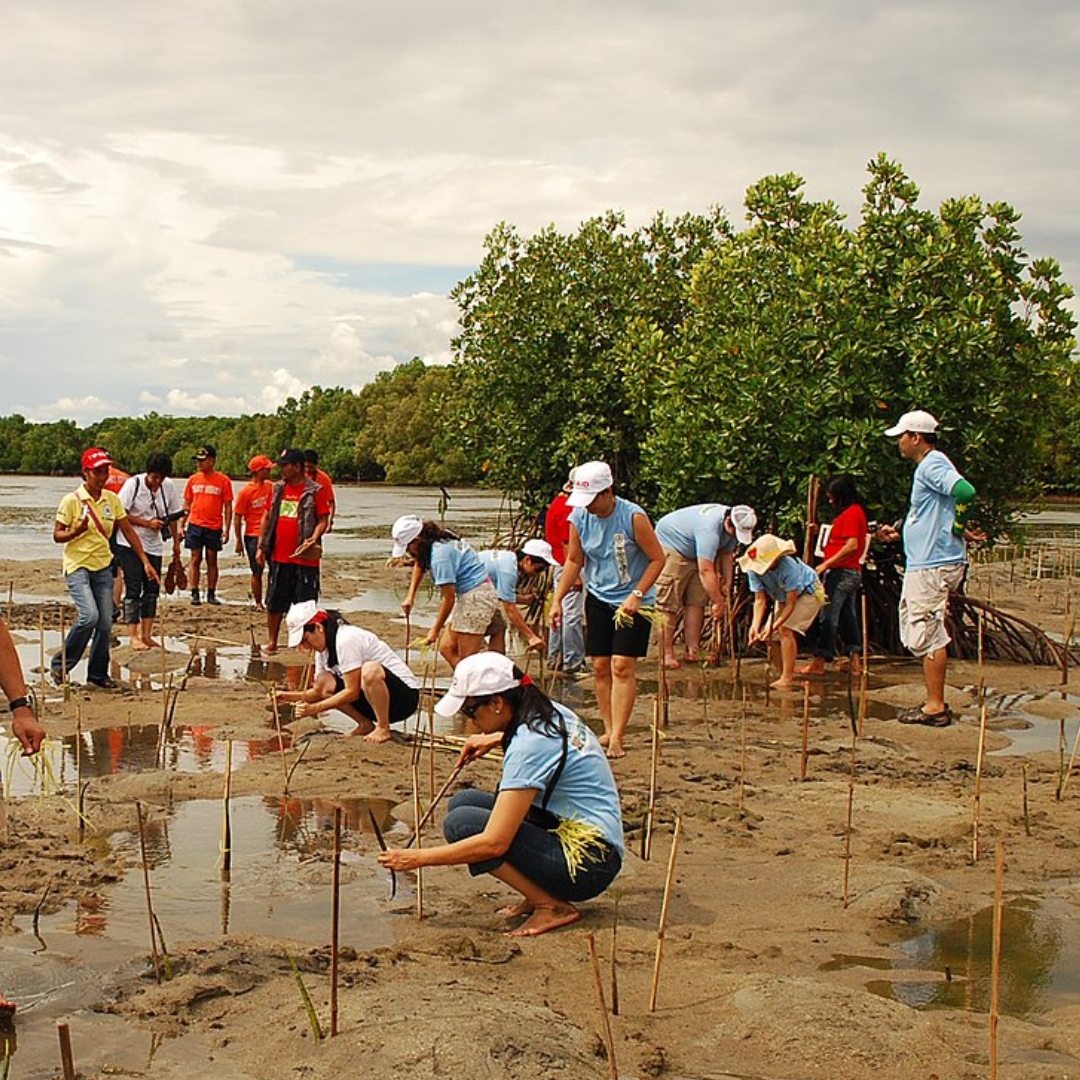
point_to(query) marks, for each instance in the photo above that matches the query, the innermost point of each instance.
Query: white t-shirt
(139, 501)
(355, 647)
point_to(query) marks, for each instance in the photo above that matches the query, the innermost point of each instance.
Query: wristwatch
(638, 593)
(19, 703)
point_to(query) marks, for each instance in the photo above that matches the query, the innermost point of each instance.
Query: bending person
(553, 832)
(506, 568)
(462, 580)
(624, 559)
(356, 673)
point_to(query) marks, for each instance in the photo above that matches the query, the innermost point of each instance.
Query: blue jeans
(535, 852)
(566, 646)
(839, 614)
(92, 593)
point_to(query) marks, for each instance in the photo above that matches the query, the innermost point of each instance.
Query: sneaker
(212, 599)
(917, 716)
(579, 672)
(195, 600)
(103, 683)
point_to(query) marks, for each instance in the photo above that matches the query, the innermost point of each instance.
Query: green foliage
(707, 365)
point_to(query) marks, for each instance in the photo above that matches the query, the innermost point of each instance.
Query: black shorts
(196, 538)
(404, 699)
(251, 546)
(290, 583)
(603, 638)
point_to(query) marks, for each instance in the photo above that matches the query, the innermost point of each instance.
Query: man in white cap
(699, 545)
(505, 568)
(935, 535)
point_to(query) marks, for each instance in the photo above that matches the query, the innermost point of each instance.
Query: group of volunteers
(552, 831)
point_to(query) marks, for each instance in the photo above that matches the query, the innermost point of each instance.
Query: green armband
(964, 495)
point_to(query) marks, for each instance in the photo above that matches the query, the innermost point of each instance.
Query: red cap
(95, 457)
(259, 461)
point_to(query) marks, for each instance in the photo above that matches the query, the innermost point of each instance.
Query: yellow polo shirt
(90, 550)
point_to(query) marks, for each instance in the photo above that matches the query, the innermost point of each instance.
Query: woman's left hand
(400, 859)
(304, 708)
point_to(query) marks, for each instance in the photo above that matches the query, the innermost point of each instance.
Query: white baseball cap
(404, 531)
(299, 616)
(589, 480)
(540, 549)
(744, 522)
(918, 422)
(478, 675)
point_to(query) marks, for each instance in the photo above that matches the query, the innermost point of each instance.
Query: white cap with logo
(478, 675)
(539, 549)
(589, 480)
(404, 531)
(918, 422)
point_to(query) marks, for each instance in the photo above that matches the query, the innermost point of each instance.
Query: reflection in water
(1040, 961)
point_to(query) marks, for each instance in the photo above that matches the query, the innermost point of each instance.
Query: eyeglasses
(469, 709)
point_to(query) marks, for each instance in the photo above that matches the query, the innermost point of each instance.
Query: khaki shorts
(806, 611)
(478, 612)
(679, 583)
(924, 599)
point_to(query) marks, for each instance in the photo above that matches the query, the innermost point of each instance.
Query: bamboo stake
(978, 784)
(995, 968)
(431, 749)
(435, 802)
(1072, 762)
(1061, 760)
(335, 913)
(146, 887)
(280, 739)
(650, 813)
(419, 839)
(982, 665)
(41, 641)
(662, 930)
(382, 847)
(63, 650)
(614, 953)
(226, 824)
(805, 732)
(847, 828)
(408, 635)
(742, 759)
(1024, 799)
(864, 674)
(601, 1006)
(67, 1059)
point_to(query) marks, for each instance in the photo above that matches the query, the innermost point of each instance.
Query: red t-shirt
(251, 505)
(206, 495)
(849, 523)
(557, 526)
(287, 532)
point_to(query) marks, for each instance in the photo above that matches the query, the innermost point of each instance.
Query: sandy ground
(756, 907)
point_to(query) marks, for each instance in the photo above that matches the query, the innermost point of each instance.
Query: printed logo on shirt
(290, 508)
(620, 558)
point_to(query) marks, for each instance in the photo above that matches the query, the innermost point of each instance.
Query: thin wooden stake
(1024, 799)
(662, 930)
(67, 1059)
(41, 643)
(419, 839)
(435, 802)
(650, 813)
(601, 1006)
(1061, 760)
(995, 968)
(805, 732)
(982, 664)
(978, 783)
(1072, 762)
(614, 954)
(335, 914)
(226, 823)
(864, 674)
(850, 809)
(146, 887)
(63, 649)
(742, 756)
(280, 740)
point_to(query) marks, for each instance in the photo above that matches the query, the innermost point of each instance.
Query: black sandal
(917, 716)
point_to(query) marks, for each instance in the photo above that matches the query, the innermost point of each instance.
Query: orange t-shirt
(116, 479)
(206, 495)
(251, 505)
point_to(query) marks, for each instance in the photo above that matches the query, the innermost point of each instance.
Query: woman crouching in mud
(553, 830)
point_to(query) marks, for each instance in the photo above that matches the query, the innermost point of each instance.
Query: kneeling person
(356, 673)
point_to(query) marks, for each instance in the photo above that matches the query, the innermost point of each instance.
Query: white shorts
(924, 599)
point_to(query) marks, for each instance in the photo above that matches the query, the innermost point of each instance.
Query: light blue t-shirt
(586, 788)
(502, 568)
(615, 562)
(928, 536)
(453, 562)
(789, 574)
(696, 532)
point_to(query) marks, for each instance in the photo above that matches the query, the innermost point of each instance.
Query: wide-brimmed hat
(404, 531)
(589, 480)
(301, 615)
(919, 422)
(478, 675)
(764, 551)
(744, 522)
(539, 549)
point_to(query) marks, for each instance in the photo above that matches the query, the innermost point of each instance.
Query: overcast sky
(209, 205)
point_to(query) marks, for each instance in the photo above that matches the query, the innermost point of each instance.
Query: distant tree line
(390, 431)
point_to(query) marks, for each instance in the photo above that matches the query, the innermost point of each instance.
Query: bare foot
(379, 735)
(138, 645)
(814, 668)
(671, 663)
(614, 750)
(783, 684)
(270, 649)
(516, 911)
(547, 917)
(604, 739)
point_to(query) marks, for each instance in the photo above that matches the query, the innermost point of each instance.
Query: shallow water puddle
(1040, 961)
(279, 886)
(1040, 721)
